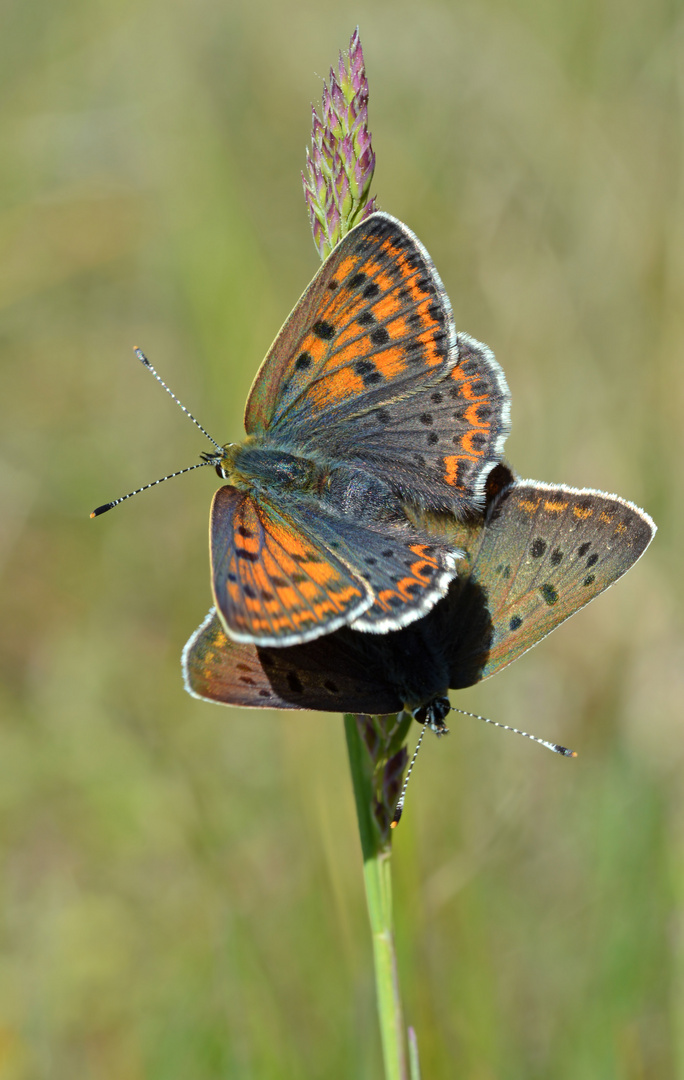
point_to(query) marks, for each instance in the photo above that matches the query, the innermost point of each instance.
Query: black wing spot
(549, 594)
(556, 556)
(363, 367)
(370, 560)
(356, 280)
(379, 336)
(249, 591)
(388, 554)
(366, 319)
(333, 284)
(426, 418)
(538, 548)
(371, 291)
(589, 579)
(249, 556)
(592, 560)
(583, 549)
(324, 330)
(265, 693)
(515, 623)
(436, 397)
(303, 361)
(433, 437)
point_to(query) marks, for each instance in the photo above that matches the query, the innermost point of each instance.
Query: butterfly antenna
(556, 747)
(399, 808)
(108, 506)
(143, 360)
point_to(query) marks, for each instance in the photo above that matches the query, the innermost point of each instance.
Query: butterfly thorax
(340, 488)
(251, 467)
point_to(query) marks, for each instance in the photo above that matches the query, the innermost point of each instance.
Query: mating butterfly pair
(369, 552)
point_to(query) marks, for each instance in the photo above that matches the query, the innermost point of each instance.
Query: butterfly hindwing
(274, 584)
(330, 674)
(543, 553)
(435, 447)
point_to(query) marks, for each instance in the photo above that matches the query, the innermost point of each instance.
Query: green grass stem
(376, 847)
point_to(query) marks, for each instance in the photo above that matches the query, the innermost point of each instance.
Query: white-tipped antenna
(399, 808)
(556, 747)
(143, 360)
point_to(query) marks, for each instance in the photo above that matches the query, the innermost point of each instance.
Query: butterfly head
(432, 714)
(222, 460)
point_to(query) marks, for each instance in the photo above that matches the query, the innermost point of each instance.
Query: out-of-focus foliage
(181, 888)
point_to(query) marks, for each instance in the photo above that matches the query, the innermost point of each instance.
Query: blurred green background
(181, 884)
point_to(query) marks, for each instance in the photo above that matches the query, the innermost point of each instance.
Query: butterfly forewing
(545, 551)
(374, 323)
(275, 584)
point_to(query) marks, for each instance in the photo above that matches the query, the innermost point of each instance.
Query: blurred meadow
(181, 883)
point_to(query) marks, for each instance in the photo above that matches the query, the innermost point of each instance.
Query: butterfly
(368, 410)
(538, 555)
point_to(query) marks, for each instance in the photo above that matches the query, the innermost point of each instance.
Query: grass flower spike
(340, 165)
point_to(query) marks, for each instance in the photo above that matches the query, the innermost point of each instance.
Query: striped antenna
(208, 459)
(399, 808)
(143, 360)
(556, 747)
(110, 505)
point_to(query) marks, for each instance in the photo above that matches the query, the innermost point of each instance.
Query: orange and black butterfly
(367, 406)
(368, 411)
